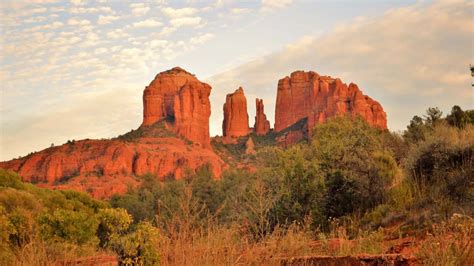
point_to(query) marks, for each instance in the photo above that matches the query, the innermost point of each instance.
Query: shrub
(441, 165)
(138, 247)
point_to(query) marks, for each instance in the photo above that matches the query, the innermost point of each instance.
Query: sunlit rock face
(236, 118)
(317, 98)
(262, 125)
(180, 99)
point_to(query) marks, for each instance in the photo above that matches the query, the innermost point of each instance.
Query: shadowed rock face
(262, 125)
(236, 118)
(317, 98)
(183, 101)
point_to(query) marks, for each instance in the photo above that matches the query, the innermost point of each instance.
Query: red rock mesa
(317, 98)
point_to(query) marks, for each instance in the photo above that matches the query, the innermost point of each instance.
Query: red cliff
(173, 139)
(180, 99)
(262, 125)
(317, 98)
(236, 118)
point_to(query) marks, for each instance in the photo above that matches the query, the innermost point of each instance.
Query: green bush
(442, 164)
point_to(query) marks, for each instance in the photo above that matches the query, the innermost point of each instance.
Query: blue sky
(77, 69)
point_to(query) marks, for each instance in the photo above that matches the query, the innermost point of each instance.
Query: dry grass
(449, 243)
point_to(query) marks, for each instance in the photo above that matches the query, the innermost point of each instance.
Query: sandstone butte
(236, 118)
(262, 125)
(182, 101)
(173, 139)
(307, 95)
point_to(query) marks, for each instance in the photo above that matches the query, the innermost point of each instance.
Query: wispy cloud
(185, 21)
(139, 9)
(179, 12)
(106, 19)
(147, 23)
(270, 5)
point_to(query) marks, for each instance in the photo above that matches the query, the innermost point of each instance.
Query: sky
(77, 69)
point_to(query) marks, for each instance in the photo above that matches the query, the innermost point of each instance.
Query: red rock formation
(183, 101)
(176, 105)
(262, 125)
(317, 98)
(106, 167)
(236, 118)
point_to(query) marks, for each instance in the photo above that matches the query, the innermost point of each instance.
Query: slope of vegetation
(353, 189)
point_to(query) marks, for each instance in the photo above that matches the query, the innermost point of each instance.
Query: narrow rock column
(236, 118)
(262, 125)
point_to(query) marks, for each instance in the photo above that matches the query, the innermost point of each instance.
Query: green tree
(355, 150)
(433, 115)
(458, 118)
(415, 131)
(67, 225)
(113, 223)
(139, 247)
(301, 192)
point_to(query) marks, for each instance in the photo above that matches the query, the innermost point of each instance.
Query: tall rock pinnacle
(236, 118)
(262, 125)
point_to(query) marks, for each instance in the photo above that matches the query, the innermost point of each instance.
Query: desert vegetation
(352, 189)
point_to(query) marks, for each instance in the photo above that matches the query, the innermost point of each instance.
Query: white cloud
(179, 12)
(157, 43)
(147, 23)
(268, 5)
(201, 38)
(78, 2)
(139, 9)
(78, 22)
(240, 11)
(51, 26)
(167, 31)
(35, 19)
(57, 9)
(106, 19)
(100, 51)
(185, 21)
(117, 34)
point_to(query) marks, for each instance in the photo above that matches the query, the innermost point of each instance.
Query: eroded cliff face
(172, 141)
(262, 125)
(317, 98)
(106, 167)
(180, 99)
(236, 118)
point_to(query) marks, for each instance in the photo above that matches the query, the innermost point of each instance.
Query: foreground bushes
(40, 226)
